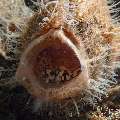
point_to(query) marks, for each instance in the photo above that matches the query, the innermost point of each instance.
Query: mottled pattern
(17, 104)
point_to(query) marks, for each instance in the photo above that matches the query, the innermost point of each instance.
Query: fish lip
(28, 79)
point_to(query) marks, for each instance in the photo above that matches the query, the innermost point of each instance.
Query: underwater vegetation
(59, 59)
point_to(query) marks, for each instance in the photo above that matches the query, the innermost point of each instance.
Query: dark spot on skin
(65, 74)
(31, 5)
(52, 73)
(82, 27)
(1, 25)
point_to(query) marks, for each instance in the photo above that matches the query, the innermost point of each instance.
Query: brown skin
(31, 50)
(68, 61)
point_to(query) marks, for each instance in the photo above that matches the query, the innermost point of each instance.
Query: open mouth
(51, 66)
(56, 65)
